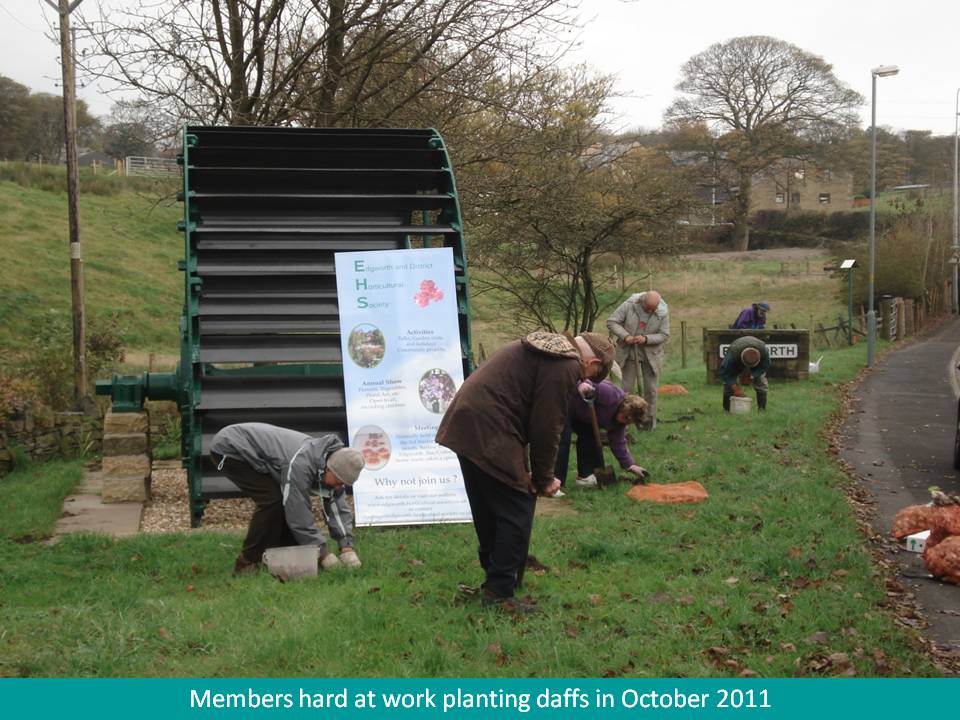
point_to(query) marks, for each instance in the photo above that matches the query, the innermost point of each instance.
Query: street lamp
(956, 206)
(882, 71)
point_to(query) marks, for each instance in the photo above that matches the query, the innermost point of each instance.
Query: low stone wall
(45, 435)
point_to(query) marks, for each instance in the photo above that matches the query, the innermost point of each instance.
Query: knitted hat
(346, 464)
(765, 306)
(603, 349)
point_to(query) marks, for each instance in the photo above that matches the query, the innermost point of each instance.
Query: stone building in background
(798, 185)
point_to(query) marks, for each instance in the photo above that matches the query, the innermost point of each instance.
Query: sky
(644, 43)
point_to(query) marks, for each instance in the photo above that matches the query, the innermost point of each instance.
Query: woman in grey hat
(280, 469)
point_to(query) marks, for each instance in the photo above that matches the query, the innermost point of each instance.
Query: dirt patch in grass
(555, 507)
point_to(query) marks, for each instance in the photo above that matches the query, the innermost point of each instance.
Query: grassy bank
(768, 576)
(130, 251)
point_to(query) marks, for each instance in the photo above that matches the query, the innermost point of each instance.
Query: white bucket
(740, 404)
(290, 563)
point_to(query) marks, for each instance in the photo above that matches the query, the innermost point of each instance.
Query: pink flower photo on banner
(429, 292)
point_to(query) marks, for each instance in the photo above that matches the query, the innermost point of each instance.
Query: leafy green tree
(931, 157)
(127, 138)
(893, 160)
(14, 101)
(44, 131)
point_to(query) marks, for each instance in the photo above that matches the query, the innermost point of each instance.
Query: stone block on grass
(124, 488)
(125, 465)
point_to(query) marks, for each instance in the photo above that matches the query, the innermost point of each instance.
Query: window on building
(779, 199)
(824, 198)
(794, 198)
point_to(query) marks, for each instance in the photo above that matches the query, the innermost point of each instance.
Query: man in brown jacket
(517, 398)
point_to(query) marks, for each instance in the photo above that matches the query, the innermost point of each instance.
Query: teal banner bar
(358, 699)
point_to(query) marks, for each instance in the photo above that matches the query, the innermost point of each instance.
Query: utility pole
(64, 8)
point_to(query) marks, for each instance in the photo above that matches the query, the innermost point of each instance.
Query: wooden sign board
(789, 351)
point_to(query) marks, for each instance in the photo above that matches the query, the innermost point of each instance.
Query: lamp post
(956, 205)
(882, 71)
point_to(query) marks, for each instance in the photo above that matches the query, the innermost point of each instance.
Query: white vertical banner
(400, 338)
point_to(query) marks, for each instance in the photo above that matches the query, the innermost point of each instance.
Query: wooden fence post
(683, 343)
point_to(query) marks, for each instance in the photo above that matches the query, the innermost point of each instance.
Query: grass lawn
(770, 575)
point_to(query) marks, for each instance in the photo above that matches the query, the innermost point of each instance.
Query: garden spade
(605, 475)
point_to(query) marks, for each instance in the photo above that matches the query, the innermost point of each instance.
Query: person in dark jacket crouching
(280, 469)
(747, 361)
(517, 398)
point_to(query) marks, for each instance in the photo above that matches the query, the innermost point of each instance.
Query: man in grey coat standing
(642, 326)
(280, 469)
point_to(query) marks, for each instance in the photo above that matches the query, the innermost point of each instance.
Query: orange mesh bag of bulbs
(684, 492)
(913, 519)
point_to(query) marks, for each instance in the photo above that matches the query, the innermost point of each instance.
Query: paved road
(899, 439)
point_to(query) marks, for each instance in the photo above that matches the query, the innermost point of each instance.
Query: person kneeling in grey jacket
(280, 469)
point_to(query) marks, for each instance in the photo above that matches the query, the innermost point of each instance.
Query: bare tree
(766, 99)
(551, 224)
(318, 62)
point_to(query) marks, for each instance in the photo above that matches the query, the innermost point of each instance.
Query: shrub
(806, 228)
(47, 359)
(16, 394)
(912, 253)
(165, 439)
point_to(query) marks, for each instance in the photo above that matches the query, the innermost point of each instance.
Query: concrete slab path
(84, 512)
(899, 440)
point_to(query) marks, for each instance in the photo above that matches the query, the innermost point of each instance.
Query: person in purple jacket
(615, 410)
(752, 318)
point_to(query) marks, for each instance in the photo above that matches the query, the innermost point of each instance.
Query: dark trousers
(268, 526)
(503, 519)
(587, 458)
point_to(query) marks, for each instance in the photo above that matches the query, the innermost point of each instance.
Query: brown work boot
(243, 566)
(508, 604)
